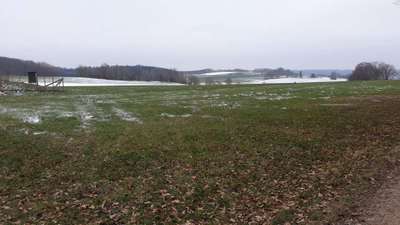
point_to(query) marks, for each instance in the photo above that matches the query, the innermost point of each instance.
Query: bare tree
(365, 71)
(104, 70)
(387, 72)
(373, 71)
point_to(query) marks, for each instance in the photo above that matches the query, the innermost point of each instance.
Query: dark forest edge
(12, 66)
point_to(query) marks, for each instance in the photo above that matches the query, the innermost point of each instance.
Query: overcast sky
(193, 34)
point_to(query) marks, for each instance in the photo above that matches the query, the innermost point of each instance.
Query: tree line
(273, 73)
(136, 73)
(9, 66)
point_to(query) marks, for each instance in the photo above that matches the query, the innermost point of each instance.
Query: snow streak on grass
(126, 116)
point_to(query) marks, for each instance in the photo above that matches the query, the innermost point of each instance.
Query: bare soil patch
(381, 207)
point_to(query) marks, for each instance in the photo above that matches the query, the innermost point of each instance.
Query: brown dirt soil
(382, 207)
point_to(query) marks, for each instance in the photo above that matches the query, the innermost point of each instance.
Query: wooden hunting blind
(35, 83)
(32, 78)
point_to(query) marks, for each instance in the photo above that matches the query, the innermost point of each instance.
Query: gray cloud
(188, 34)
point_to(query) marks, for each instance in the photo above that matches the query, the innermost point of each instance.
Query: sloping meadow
(195, 155)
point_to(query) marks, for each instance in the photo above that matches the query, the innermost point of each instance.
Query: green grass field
(266, 154)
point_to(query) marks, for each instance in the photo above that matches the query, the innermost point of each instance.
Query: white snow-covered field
(86, 82)
(294, 80)
(216, 73)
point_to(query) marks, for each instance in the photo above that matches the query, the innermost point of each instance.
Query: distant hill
(325, 72)
(10, 66)
(198, 72)
(275, 72)
(136, 73)
(205, 71)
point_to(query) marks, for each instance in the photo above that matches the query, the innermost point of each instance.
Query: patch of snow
(276, 98)
(32, 119)
(87, 82)
(102, 101)
(246, 94)
(224, 104)
(217, 73)
(174, 116)
(27, 116)
(325, 98)
(294, 80)
(24, 131)
(65, 114)
(126, 116)
(193, 107)
(169, 103)
(85, 117)
(212, 96)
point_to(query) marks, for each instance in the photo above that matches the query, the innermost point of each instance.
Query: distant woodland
(9, 66)
(138, 73)
(276, 72)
